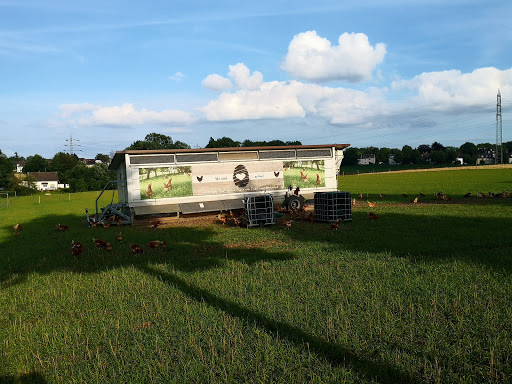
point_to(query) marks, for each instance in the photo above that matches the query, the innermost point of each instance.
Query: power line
(498, 159)
(72, 144)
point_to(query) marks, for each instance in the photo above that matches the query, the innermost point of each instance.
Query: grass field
(422, 295)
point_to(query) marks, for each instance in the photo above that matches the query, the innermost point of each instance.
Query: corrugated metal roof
(119, 156)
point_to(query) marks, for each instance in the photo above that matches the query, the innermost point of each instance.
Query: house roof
(44, 176)
(119, 156)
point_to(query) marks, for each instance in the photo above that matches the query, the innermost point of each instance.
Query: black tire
(294, 203)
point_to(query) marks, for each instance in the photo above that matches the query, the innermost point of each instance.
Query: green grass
(424, 294)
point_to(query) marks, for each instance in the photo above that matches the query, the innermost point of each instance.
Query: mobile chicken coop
(184, 181)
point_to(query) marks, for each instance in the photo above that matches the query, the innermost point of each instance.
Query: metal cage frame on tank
(259, 210)
(331, 206)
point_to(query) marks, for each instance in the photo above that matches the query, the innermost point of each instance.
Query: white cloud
(448, 89)
(313, 58)
(294, 99)
(178, 76)
(240, 74)
(216, 83)
(125, 115)
(272, 100)
(242, 77)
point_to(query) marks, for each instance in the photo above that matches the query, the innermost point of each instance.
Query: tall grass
(421, 295)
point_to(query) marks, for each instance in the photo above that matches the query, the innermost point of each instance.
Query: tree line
(69, 168)
(80, 177)
(424, 153)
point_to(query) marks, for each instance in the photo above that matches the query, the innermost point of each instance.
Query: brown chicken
(168, 185)
(102, 244)
(371, 205)
(76, 248)
(223, 219)
(17, 228)
(287, 224)
(318, 179)
(136, 249)
(304, 177)
(61, 227)
(415, 200)
(360, 196)
(240, 221)
(353, 201)
(149, 191)
(334, 225)
(119, 237)
(156, 243)
(106, 224)
(311, 217)
(296, 192)
(154, 224)
(382, 195)
(373, 216)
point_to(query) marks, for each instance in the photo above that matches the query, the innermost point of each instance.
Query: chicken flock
(77, 247)
(289, 216)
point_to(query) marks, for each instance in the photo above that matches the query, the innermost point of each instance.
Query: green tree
(383, 155)
(469, 149)
(424, 148)
(416, 157)
(224, 142)
(157, 141)
(399, 156)
(407, 154)
(438, 157)
(84, 178)
(35, 163)
(6, 169)
(102, 157)
(63, 162)
(437, 146)
(350, 156)
(451, 154)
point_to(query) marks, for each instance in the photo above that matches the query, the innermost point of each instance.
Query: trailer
(185, 181)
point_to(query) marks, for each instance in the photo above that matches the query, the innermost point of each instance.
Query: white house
(45, 181)
(366, 160)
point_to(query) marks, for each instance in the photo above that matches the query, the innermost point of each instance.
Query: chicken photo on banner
(165, 182)
(225, 178)
(304, 173)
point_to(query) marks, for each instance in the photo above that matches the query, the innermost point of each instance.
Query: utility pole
(71, 145)
(498, 156)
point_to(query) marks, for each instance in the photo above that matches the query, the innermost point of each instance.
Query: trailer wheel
(294, 203)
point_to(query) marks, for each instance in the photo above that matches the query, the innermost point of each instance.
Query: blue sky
(379, 73)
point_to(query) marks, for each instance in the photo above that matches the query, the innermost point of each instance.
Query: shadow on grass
(334, 353)
(26, 378)
(420, 233)
(41, 249)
